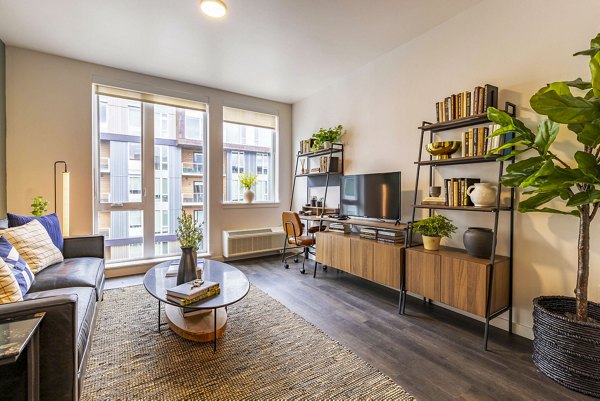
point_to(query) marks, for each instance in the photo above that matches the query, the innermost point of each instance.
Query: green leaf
(546, 170)
(537, 200)
(527, 165)
(594, 47)
(565, 109)
(579, 84)
(546, 134)
(512, 154)
(588, 134)
(499, 116)
(595, 70)
(588, 165)
(513, 180)
(556, 211)
(584, 198)
(503, 130)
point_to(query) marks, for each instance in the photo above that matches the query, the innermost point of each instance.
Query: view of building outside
(178, 175)
(249, 143)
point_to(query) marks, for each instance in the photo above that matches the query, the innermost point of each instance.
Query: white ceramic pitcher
(483, 193)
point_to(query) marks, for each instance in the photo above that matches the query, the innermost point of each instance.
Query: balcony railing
(192, 199)
(192, 168)
(105, 165)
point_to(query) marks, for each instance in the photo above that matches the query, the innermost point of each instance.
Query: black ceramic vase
(478, 241)
(187, 266)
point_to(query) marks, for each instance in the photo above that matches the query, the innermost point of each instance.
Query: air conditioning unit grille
(239, 243)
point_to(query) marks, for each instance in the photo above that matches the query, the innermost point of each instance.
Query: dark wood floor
(433, 353)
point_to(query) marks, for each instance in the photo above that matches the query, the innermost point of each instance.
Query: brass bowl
(443, 150)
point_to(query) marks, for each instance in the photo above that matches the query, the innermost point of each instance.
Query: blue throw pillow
(19, 267)
(50, 223)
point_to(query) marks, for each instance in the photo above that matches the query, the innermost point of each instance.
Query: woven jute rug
(267, 352)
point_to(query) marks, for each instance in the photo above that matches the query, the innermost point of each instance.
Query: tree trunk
(583, 265)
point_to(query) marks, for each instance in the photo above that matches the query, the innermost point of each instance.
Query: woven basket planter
(565, 350)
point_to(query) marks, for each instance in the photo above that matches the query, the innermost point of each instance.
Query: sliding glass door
(150, 167)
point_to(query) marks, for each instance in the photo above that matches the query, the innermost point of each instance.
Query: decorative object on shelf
(302, 164)
(248, 181)
(443, 150)
(482, 194)
(435, 191)
(39, 206)
(548, 175)
(313, 201)
(66, 179)
(478, 241)
(189, 234)
(433, 229)
(324, 138)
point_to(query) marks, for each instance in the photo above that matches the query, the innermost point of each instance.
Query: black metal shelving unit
(321, 179)
(432, 129)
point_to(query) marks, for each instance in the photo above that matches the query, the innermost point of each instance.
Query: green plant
(247, 180)
(39, 206)
(333, 134)
(189, 233)
(572, 177)
(435, 226)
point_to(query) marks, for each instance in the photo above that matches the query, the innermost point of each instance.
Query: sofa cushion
(34, 244)
(76, 272)
(86, 306)
(50, 223)
(20, 268)
(9, 288)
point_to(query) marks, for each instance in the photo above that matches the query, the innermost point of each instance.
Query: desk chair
(293, 236)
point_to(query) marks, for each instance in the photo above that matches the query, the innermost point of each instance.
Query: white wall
(518, 45)
(49, 118)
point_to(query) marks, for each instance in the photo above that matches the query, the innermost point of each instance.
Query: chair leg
(304, 260)
(284, 249)
(315, 271)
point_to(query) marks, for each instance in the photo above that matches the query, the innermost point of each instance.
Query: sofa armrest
(58, 349)
(85, 246)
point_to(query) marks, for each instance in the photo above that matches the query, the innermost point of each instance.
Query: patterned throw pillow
(34, 245)
(9, 288)
(19, 267)
(50, 223)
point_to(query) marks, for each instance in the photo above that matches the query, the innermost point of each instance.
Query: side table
(15, 335)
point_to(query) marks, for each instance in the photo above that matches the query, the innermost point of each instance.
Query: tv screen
(371, 195)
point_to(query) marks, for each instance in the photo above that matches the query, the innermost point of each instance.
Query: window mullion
(148, 177)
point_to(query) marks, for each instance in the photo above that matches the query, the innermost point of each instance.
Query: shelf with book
(318, 174)
(456, 192)
(336, 148)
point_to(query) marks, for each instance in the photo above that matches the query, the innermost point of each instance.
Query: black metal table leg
(215, 331)
(33, 368)
(159, 316)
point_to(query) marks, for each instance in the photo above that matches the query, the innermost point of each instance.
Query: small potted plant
(39, 206)
(248, 181)
(432, 229)
(325, 138)
(189, 234)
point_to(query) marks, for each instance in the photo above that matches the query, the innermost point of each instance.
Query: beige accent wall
(49, 117)
(519, 45)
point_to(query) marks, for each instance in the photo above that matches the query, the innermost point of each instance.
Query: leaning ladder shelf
(323, 178)
(496, 209)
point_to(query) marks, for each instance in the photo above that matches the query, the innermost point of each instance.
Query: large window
(140, 183)
(249, 147)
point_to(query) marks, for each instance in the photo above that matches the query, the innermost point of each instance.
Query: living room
(102, 104)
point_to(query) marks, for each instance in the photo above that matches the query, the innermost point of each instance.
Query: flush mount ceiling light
(213, 8)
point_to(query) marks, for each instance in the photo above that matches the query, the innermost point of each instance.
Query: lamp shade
(66, 188)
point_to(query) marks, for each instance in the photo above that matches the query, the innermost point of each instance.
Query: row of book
(456, 191)
(465, 104)
(382, 235)
(193, 291)
(306, 145)
(329, 164)
(478, 142)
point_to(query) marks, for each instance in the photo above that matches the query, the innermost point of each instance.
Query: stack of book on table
(193, 291)
(391, 237)
(340, 228)
(368, 233)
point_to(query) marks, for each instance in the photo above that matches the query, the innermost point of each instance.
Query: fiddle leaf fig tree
(547, 176)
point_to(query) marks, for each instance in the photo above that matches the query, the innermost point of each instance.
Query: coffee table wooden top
(234, 284)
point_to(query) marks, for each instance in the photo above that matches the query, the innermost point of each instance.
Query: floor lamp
(65, 196)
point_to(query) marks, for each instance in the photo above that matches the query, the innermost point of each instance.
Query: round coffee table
(210, 323)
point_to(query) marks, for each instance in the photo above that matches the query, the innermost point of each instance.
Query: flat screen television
(371, 195)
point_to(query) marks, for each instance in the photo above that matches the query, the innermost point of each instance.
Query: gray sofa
(69, 293)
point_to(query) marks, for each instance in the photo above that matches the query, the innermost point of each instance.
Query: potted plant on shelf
(433, 229)
(566, 345)
(248, 181)
(325, 138)
(189, 234)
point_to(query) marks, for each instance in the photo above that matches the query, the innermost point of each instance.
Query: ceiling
(283, 50)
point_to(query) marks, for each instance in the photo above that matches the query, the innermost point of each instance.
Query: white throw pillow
(34, 245)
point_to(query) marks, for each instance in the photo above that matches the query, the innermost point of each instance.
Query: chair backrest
(291, 224)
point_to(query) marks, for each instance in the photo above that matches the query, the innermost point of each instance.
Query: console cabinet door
(464, 284)
(324, 247)
(423, 273)
(333, 250)
(361, 258)
(387, 264)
